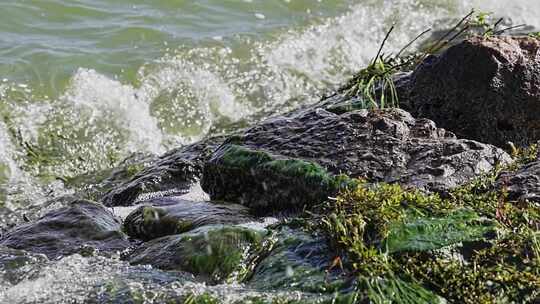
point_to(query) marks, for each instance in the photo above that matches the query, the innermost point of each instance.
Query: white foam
(108, 97)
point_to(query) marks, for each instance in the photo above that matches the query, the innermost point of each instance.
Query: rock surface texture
(380, 146)
(167, 216)
(80, 226)
(523, 184)
(485, 88)
(173, 173)
(212, 253)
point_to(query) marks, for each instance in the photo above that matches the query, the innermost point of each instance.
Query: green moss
(156, 224)
(297, 261)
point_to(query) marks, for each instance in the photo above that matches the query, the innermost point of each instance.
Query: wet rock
(81, 226)
(212, 253)
(168, 216)
(523, 184)
(138, 283)
(296, 160)
(299, 261)
(172, 174)
(485, 88)
(266, 182)
(94, 185)
(16, 265)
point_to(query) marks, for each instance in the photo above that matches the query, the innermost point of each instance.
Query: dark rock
(212, 253)
(173, 173)
(380, 146)
(167, 216)
(15, 265)
(523, 184)
(82, 226)
(485, 89)
(266, 183)
(94, 185)
(299, 261)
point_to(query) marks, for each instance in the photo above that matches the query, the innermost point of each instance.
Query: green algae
(472, 246)
(424, 233)
(204, 298)
(265, 182)
(395, 290)
(155, 223)
(221, 253)
(312, 173)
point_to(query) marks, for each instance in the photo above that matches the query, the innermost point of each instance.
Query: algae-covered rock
(300, 261)
(211, 253)
(81, 225)
(472, 246)
(173, 173)
(484, 88)
(264, 182)
(380, 146)
(167, 216)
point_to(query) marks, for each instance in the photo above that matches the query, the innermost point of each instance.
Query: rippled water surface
(85, 83)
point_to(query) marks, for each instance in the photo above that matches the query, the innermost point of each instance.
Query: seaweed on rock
(266, 183)
(474, 246)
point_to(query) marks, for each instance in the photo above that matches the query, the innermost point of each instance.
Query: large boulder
(291, 161)
(80, 227)
(171, 174)
(484, 88)
(167, 216)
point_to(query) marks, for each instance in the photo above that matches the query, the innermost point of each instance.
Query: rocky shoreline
(435, 202)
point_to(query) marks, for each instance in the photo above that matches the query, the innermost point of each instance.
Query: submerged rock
(296, 159)
(16, 265)
(212, 253)
(81, 226)
(485, 88)
(298, 261)
(167, 216)
(173, 173)
(139, 284)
